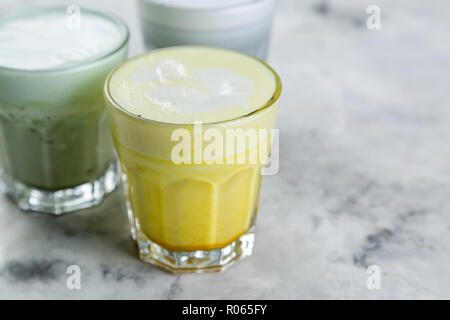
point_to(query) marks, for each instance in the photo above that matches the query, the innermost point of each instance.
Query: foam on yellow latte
(182, 86)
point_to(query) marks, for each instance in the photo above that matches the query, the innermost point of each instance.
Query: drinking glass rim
(79, 64)
(246, 4)
(272, 100)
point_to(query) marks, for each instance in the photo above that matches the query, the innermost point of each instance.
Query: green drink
(56, 152)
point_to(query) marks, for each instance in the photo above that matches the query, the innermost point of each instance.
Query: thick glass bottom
(57, 202)
(198, 261)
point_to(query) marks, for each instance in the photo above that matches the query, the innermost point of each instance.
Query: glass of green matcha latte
(56, 153)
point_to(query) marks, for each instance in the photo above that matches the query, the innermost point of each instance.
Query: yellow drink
(181, 213)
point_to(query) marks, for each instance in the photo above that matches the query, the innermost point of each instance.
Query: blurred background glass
(243, 25)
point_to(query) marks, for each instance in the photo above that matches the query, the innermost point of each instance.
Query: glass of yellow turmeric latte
(192, 127)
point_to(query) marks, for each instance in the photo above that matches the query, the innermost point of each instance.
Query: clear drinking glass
(56, 153)
(242, 25)
(197, 217)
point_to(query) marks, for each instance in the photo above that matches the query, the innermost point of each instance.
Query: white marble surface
(364, 178)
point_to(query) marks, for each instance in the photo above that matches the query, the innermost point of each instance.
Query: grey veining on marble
(364, 175)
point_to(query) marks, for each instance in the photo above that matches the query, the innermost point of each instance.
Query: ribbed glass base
(198, 261)
(62, 201)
